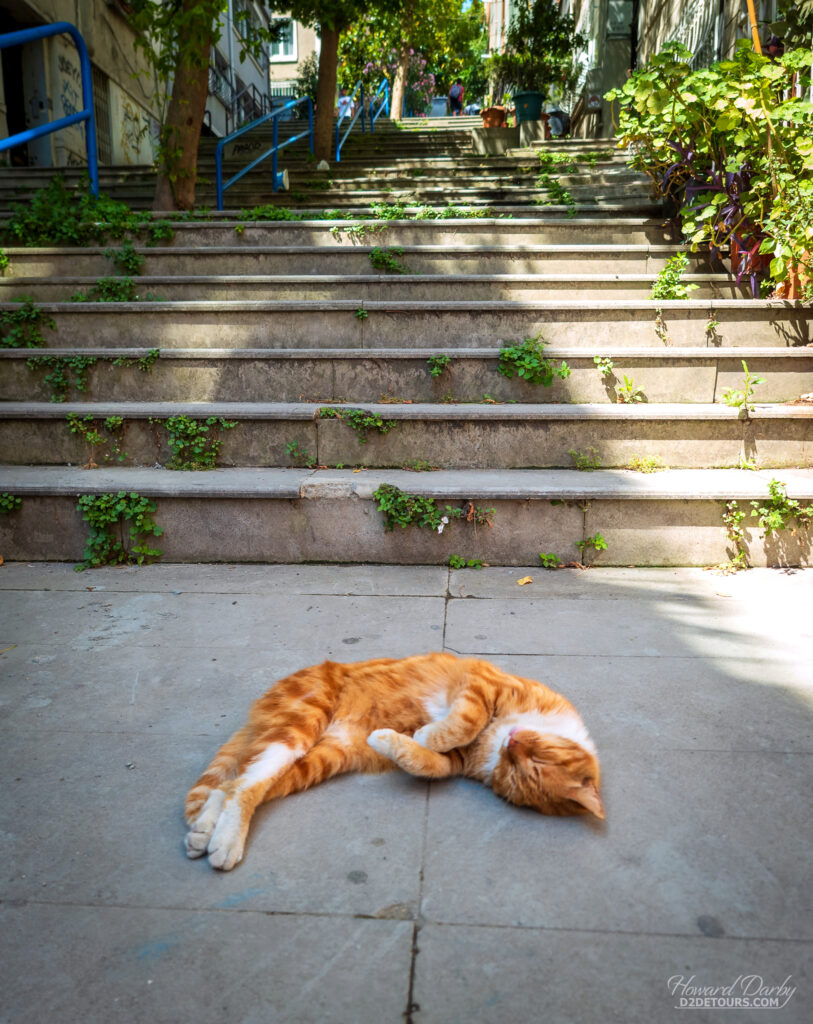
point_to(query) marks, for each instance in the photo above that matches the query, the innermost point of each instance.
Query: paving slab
(107, 965)
(489, 975)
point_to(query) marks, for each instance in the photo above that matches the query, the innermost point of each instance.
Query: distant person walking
(456, 98)
(345, 104)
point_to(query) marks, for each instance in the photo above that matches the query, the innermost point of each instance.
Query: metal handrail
(87, 115)
(340, 142)
(272, 152)
(385, 85)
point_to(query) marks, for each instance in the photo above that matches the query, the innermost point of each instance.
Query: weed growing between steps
(628, 393)
(9, 503)
(126, 259)
(119, 527)
(63, 367)
(301, 456)
(114, 289)
(592, 544)
(105, 438)
(549, 560)
(528, 361)
(459, 562)
(774, 515)
(669, 282)
(22, 327)
(194, 444)
(359, 419)
(61, 216)
(587, 461)
(437, 365)
(741, 398)
(4, 262)
(388, 260)
(645, 464)
(402, 509)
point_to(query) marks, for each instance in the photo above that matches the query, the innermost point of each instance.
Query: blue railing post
(87, 115)
(274, 140)
(362, 108)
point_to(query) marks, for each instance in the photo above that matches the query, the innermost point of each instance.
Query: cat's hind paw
(382, 741)
(424, 736)
(197, 838)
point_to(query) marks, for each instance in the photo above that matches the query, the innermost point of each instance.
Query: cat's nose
(511, 739)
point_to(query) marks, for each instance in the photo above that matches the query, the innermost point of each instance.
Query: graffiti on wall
(132, 132)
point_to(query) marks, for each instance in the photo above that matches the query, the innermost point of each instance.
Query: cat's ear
(588, 797)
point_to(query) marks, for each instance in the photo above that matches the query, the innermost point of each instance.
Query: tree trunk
(178, 167)
(326, 94)
(399, 86)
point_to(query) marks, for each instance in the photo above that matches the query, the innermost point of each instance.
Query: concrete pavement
(373, 900)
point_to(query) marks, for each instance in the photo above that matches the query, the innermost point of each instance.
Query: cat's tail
(226, 765)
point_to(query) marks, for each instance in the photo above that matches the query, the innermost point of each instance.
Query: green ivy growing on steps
(402, 509)
(528, 361)
(9, 503)
(22, 327)
(360, 420)
(115, 519)
(62, 367)
(194, 444)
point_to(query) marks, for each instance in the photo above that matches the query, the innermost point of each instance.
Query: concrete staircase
(267, 323)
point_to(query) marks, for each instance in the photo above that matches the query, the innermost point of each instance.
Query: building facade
(296, 44)
(41, 81)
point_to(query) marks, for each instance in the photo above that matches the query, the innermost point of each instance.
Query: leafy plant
(459, 562)
(301, 454)
(61, 367)
(360, 420)
(402, 509)
(9, 503)
(585, 461)
(437, 365)
(740, 399)
(93, 432)
(595, 544)
(549, 560)
(733, 516)
(604, 364)
(194, 443)
(22, 327)
(779, 510)
(4, 261)
(645, 464)
(419, 466)
(142, 363)
(388, 260)
(528, 360)
(669, 282)
(115, 520)
(629, 392)
(126, 259)
(113, 289)
(540, 50)
(361, 313)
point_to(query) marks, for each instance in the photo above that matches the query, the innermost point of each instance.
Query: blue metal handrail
(29, 35)
(272, 152)
(340, 141)
(385, 105)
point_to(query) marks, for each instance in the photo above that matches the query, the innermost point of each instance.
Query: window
(284, 49)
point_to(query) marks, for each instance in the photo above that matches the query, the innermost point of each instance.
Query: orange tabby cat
(433, 715)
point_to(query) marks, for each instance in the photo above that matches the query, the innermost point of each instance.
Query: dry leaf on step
(524, 581)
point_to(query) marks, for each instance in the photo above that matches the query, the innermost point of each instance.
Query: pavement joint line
(25, 901)
(411, 1006)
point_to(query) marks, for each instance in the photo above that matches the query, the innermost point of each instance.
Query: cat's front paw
(228, 839)
(197, 839)
(383, 741)
(424, 736)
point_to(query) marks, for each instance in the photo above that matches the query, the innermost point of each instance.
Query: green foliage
(61, 367)
(300, 455)
(360, 420)
(540, 50)
(549, 560)
(740, 399)
(93, 434)
(586, 461)
(61, 216)
(402, 509)
(4, 261)
(307, 76)
(528, 361)
(388, 260)
(733, 516)
(437, 364)
(418, 466)
(22, 327)
(779, 510)
(126, 259)
(114, 519)
(9, 503)
(113, 289)
(194, 444)
(555, 193)
(142, 363)
(645, 464)
(593, 544)
(459, 562)
(361, 313)
(629, 392)
(605, 365)
(668, 284)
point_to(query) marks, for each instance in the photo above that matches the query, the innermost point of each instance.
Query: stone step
(468, 436)
(323, 375)
(351, 260)
(381, 287)
(289, 515)
(438, 324)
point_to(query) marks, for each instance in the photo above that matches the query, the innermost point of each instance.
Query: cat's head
(552, 774)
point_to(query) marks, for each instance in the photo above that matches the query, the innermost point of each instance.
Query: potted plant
(540, 48)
